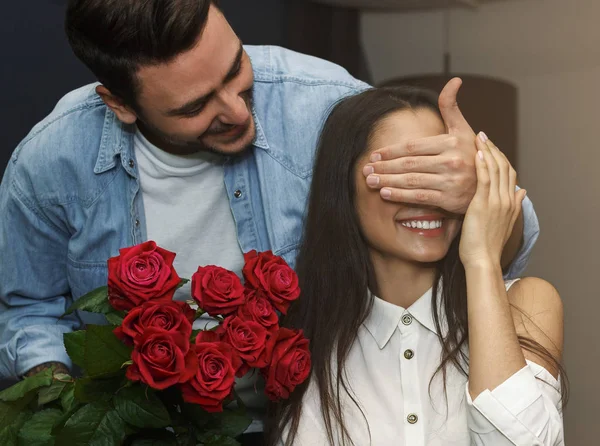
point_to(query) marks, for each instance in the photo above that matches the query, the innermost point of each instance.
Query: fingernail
(483, 137)
(386, 193)
(375, 157)
(480, 154)
(368, 170)
(372, 180)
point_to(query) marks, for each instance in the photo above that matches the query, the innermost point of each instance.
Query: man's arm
(34, 290)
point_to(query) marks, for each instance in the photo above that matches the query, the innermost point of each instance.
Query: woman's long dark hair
(335, 269)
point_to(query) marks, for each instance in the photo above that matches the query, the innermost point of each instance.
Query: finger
(519, 197)
(492, 166)
(431, 145)
(412, 196)
(483, 175)
(451, 114)
(409, 164)
(503, 173)
(407, 181)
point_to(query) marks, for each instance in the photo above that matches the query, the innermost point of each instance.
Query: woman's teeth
(423, 224)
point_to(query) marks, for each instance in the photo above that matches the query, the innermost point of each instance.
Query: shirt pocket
(84, 277)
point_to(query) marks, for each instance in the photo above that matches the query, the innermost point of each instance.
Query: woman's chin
(428, 255)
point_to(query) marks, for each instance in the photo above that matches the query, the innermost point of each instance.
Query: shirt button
(237, 193)
(409, 354)
(131, 163)
(412, 418)
(407, 319)
(137, 222)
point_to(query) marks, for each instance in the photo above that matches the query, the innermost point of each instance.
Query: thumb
(453, 118)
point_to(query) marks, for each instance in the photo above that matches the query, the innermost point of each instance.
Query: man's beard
(178, 146)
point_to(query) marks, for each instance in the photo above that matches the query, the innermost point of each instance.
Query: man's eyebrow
(198, 102)
(235, 67)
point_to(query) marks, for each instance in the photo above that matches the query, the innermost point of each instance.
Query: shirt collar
(260, 140)
(385, 317)
(117, 139)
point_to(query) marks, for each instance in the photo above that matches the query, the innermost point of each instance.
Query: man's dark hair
(113, 38)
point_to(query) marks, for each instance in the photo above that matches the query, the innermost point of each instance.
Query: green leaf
(221, 440)
(37, 431)
(228, 423)
(187, 438)
(22, 388)
(67, 397)
(104, 352)
(52, 393)
(88, 390)
(8, 436)
(75, 345)
(9, 431)
(154, 438)
(140, 407)
(95, 301)
(182, 282)
(233, 423)
(115, 317)
(12, 413)
(198, 416)
(95, 424)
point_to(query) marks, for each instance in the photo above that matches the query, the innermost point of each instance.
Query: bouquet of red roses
(149, 376)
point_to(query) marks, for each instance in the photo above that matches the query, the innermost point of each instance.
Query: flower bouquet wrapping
(148, 376)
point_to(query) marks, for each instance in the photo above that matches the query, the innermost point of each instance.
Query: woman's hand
(494, 209)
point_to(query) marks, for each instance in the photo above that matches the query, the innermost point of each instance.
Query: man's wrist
(59, 367)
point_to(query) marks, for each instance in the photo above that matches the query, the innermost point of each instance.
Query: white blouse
(389, 369)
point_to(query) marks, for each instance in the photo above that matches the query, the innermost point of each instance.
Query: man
(191, 140)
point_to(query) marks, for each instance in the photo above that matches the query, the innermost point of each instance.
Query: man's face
(201, 100)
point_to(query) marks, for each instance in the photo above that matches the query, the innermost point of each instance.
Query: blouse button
(237, 193)
(407, 319)
(412, 418)
(409, 354)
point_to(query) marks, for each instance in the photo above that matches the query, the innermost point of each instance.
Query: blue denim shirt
(70, 198)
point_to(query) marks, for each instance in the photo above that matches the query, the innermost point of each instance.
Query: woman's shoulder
(537, 312)
(534, 295)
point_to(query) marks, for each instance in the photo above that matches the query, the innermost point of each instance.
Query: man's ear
(123, 112)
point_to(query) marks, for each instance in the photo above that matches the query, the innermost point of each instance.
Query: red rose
(173, 316)
(214, 378)
(162, 359)
(252, 342)
(257, 308)
(218, 336)
(273, 275)
(290, 364)
(218, 291)
(139, 274)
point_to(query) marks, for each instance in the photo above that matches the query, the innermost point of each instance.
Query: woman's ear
(123, 112)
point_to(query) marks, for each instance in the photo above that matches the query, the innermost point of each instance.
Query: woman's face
(401, 231)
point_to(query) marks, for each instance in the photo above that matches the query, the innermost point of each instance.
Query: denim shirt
(70, 198)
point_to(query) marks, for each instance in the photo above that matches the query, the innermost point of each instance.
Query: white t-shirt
(187, 212)
(187, 209)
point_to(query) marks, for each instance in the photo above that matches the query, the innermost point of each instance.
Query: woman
(415, 337)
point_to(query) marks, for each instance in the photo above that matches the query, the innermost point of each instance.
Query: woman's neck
(400, 282)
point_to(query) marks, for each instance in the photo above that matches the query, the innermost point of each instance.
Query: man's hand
(59, 367)
(437, 171)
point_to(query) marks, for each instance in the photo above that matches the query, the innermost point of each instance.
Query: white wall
(551, 50)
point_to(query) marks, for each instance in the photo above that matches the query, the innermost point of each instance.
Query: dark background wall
(37, 66)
